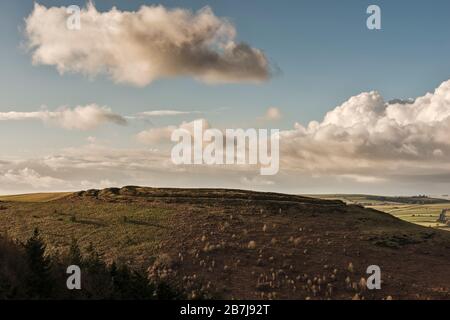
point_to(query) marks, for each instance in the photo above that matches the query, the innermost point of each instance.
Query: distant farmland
(423, 211)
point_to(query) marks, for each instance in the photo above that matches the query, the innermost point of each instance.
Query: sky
(73, 104)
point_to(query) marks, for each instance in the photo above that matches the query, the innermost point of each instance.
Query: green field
(424, 215)
(421, 214)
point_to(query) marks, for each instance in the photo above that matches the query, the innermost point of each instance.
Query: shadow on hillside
(90, 222)
(145, 223)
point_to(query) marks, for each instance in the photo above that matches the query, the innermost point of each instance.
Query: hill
(244, 244)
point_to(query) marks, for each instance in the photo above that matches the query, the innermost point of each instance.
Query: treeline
(26, 272)
(420, 199)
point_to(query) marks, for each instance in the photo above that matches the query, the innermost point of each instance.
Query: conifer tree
(39, 281)
(75, 256)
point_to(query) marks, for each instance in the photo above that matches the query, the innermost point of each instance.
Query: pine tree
(141, 287)
(39, 280)
(98, 279)
(75, 257)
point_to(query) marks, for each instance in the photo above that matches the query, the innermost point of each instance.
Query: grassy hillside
(242, 244)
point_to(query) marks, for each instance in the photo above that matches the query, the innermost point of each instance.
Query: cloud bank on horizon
(364, 140)
(139, 47)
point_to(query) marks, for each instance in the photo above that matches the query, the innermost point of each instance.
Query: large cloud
(367, 138)
(79, 118)
(139, 47)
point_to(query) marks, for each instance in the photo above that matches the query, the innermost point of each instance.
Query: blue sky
(323, 50)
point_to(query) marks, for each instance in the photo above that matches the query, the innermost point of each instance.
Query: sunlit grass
(35, 197)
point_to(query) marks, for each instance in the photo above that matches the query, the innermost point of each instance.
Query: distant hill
(243, 244)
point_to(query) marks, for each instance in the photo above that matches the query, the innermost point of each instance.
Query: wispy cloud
(79, 118)
(160, 113)
(162, 134)
(163, 113)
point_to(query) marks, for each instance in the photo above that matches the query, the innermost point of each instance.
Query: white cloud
(91, 166)
(156, 135)
(361, 178)
(30, 178)
(79, 118)
(256, 181)
(102, 184)
(142, 46)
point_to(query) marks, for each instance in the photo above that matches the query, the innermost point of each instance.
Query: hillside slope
(243, 244)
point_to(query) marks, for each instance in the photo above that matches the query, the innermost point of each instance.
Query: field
(242, 244)
(424, 214)
(34, 197)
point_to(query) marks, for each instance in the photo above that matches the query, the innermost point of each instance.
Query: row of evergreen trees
(26, 272)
